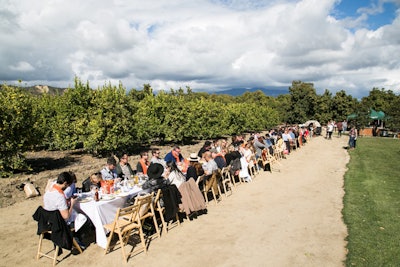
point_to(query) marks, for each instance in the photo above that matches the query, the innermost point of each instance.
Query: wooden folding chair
(125, 222)
(161, 209)
(226, 180)
(48, 221)
(267, 158)
(202, 179)
(147, 210)
(40, 253)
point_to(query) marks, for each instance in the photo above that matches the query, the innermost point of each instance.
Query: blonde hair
(96, 177)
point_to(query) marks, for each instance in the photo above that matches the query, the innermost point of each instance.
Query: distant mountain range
(270, 91)
(42, 89)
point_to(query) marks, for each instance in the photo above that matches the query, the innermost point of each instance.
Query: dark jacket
(153, 185)
(229, 157)
(61, 234)
(87, 183)
(191, 172)
(118, 170)
(172, 199)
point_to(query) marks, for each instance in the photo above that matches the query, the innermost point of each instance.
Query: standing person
(143, 163)
(339, 126)
(123, 167)
(108, 172)
(286, 138)
(329, 129)
(311, 130)
(353, 137)
(344, 126)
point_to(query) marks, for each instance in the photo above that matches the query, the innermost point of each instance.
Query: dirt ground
(290, 217)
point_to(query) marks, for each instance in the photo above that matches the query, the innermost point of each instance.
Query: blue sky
(209, 45)
(378, 13)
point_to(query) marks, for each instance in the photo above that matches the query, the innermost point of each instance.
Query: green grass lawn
(372, 203)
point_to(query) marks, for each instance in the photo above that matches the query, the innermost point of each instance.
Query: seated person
(54, 199)
(192, 199)
(218, 158)
(93, 180)
(143, 163)
(108, 172)
(175, 155)
(155, 152)
(194, 169)
(123, 168)
(71, 190)
(204, 148)
(209, 168)
(232, 155)
(156, 181)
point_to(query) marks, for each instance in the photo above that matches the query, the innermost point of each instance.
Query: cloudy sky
(205, 44)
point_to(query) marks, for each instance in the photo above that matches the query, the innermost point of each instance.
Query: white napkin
(80, 220)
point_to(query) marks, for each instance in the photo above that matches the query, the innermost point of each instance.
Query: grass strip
(372, 203)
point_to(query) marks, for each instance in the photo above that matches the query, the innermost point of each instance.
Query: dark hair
(173, 166)
(64, 177)
(144, 152)
(175, 147)
(121, 154)
(199, 168)
(73, 176)
(111, 160)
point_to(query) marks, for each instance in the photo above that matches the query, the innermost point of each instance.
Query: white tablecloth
(103, 212)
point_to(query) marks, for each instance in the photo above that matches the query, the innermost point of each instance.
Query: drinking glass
(79, 192)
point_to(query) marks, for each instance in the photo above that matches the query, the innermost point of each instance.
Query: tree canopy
(111, 118)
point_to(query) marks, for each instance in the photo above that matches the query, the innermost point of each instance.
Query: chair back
(145, 203)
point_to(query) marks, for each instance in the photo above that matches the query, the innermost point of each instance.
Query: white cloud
(22, 66)
(202, 44)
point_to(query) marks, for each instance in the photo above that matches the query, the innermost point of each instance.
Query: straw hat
(193, 157)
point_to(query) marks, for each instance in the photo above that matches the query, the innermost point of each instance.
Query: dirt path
(287, 218)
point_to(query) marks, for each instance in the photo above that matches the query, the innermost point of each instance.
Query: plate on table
(107, 197)
(84, 200)
(123, 194)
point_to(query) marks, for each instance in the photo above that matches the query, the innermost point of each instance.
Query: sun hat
(155, 170)
(193, 157)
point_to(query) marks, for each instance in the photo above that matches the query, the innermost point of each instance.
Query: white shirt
(53, 200)
(210, 166)
(107, 174)
(176, 178)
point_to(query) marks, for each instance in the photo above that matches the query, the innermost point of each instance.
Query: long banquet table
(103, 212)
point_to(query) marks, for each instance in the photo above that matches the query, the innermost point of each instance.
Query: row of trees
(111, 118)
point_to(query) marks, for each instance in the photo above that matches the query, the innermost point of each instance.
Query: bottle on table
(96, 195)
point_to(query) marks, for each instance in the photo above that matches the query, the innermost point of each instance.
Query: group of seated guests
(175, 170)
